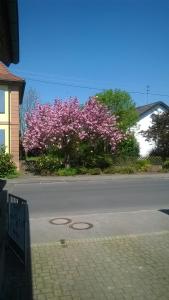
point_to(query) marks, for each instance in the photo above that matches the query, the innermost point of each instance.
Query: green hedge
(166, 165)
(7, 166)
(45, 165)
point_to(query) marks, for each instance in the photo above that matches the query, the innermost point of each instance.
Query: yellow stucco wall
(4, 117)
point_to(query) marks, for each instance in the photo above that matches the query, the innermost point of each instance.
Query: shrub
(94, 171)
(155, 160)
(141, 163)
(7, 166)
(66, 172)
(166, 165)
(82, 170)
(103, 161)
(110, 170)
(120, 170)
(128, 147)
(46, 164)
(125, 170)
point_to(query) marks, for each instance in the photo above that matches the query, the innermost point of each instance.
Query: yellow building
(11, 94)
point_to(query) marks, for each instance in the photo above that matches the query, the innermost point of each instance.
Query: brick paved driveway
(124, 267)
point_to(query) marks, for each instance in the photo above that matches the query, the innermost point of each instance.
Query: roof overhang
(146, 109)
(9, 32)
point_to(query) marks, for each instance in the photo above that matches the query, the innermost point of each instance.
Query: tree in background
(64, 125)
(128, 148)
(159, 133)
(121, 105)
(29, 101)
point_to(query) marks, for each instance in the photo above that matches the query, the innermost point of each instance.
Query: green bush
(128, 147)
(82, 170)
(110, 170)
(141, 163)
(7, 166)
(166, 165)
(103, 161)
(66, 172)
(94, 171)
(46, 165)
(155, 160)
(125, 169)
(120, 170)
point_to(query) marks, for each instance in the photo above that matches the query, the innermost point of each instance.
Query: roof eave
(14, 30)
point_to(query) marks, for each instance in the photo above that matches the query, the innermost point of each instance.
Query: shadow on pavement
(2, 184)
(165, 211)
(18, 276)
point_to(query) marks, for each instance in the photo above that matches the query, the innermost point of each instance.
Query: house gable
(145, 121)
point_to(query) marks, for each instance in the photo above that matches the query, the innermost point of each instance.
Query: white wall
(143, 124)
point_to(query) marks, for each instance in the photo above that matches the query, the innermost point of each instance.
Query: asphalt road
(88, 197)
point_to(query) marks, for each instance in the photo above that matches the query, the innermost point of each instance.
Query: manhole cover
(60, 221)
(81, 225)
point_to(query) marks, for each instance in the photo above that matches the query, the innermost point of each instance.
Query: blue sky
(96, 44)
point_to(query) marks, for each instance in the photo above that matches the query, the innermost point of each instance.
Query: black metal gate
(18, 226)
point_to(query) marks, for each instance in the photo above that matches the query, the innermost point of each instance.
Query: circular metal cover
(60, 221)
(81, 225)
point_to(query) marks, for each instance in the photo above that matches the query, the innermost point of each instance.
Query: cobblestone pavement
(124, 267)
(135, 267)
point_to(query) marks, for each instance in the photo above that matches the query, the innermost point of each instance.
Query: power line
(74, 85)
(84, 86)
(65, 84)
(89, 87)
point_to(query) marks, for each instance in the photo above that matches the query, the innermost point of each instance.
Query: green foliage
(7, 166)
(129, 167)
(110, 170)
(120, 104)
(166, 165)
(128, 147)
(120, 170)
(46, 164)
(66, 172)
(82, 171)
(103, 161)
(142, 163)
(155, 160)
(94, 171)
(125, 170)
(159, 133)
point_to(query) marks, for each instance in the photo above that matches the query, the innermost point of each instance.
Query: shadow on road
(18, 276)
(2, 184)
(165, 211)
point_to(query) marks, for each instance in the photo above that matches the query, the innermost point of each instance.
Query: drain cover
(60, 221)
(81, 226)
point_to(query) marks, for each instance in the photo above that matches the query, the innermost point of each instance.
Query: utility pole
(147, 93)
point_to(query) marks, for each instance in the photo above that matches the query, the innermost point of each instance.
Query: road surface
(96, 196)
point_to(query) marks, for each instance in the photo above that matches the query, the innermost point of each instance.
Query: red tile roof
(8, 78)
(5, 75)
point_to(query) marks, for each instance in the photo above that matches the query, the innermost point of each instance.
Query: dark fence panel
(18, 226)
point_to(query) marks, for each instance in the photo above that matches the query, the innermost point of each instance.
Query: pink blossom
(65, 122)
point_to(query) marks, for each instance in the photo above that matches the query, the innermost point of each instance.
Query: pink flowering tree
(64, 125)
(98, 124)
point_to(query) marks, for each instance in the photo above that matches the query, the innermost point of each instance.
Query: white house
(145, 112)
